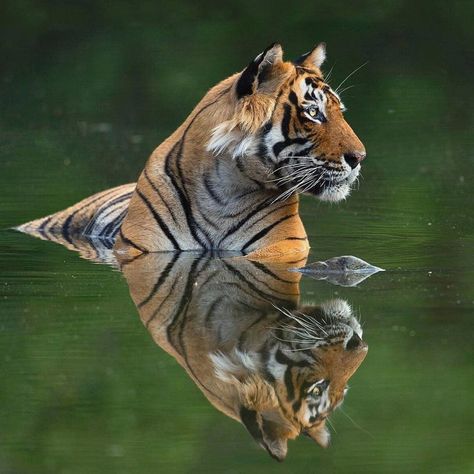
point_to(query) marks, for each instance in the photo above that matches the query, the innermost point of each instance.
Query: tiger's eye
(313, 111)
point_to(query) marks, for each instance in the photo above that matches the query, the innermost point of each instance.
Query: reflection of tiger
(228, 177)
(279, 372)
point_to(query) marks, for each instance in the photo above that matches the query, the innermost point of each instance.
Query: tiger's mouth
(333, 324)
(334, 185)
(318, 178)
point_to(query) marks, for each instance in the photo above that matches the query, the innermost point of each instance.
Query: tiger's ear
(268, 434)
(275, 436)
(314, 58)
(259, 70)
(320, 434)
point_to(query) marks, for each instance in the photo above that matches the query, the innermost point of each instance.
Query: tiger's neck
(188, 199)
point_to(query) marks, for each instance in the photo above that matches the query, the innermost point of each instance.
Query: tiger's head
(325, 348)
(286, 126)
(304, 378)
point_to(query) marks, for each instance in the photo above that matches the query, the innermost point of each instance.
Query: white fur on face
(231, 141)
(341, 187)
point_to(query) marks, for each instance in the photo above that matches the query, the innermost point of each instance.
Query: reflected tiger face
(314, 352)
(324, 348)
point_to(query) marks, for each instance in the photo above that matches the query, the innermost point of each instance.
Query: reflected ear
(259, 70)
(314, 58)
(269, 435)
(320, 434)
(276, 439)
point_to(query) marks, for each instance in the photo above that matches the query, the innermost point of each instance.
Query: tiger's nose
(354, 342)
(354, 158)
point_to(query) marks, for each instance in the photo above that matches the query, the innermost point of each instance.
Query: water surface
(86, 387)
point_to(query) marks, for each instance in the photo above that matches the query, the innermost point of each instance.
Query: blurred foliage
(89, 88)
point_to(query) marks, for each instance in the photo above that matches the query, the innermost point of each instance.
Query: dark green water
(88, 90)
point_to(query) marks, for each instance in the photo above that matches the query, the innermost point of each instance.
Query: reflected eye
(316, 390)
(312, 111)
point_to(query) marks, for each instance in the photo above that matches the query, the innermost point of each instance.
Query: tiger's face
(288, 128)
(311, 146)
(309, 358)
(323, 348)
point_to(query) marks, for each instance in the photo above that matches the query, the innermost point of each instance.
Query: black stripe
(210, 311)
(163, 276)
(280, 146)
(297, 405)
(176, 152)
(265, 284)
(157, 191)
(266, 270)
(269, 297)
(181, 196)
(293, 98)
(159, 221)
(208, 221)
(271, 212)
(106, 231)
(129, 242)
(193, 224)
(290, 390)
(281, 358)
(296, 261)
(239, 224)
(44, 223)
(285, 123)
(65, 228)
(241, 168)
(176, 282)
(115, 201)
(285, 130)
(265, 231)
(249, 420)
(211, 192)
(67, 222)
(182, 310)
(113, 232)
(88, 231)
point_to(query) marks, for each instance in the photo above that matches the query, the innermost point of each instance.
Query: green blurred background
(89, 88)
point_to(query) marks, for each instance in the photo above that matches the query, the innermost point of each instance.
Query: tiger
(230, 176)
(238, 329)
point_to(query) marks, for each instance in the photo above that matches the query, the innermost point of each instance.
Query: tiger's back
(98, 217)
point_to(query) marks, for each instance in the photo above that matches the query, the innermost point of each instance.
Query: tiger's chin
(335, 193)
(336, 190)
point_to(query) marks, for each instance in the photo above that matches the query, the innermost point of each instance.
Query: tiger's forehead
(313, 88)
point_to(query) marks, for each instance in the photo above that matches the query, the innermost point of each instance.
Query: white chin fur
(337, 308)
(340, 191)
(335, 193)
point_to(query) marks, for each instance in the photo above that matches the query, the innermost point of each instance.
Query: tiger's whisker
(345, 89)
(350, 75)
